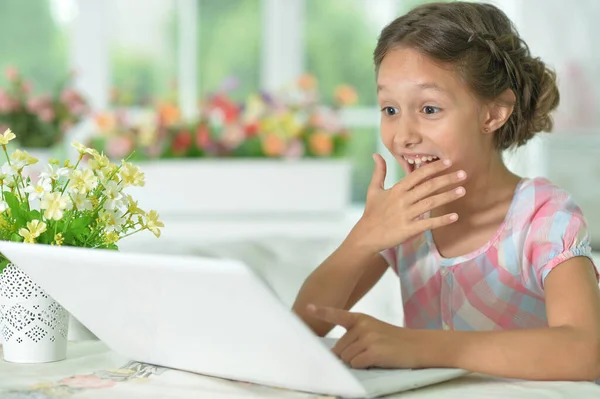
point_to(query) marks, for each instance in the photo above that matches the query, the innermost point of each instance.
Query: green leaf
(34, 214)
(80, 226)
(15, 208)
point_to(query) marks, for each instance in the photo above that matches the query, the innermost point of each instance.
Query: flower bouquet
(82, 205)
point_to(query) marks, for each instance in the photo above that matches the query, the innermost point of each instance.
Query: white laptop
(209, 316)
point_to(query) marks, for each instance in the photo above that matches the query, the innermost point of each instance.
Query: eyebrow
(422, 86)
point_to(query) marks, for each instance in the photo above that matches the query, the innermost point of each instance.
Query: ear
(498, 111)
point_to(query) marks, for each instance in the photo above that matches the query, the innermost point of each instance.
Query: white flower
(81, 202)
(54, 204)
(37, 191)
(8, 174)
(112, 192)
(114, 220)
(3, 206)
(54, 172)
(82, 182)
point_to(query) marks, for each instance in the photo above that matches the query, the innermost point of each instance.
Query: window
(229, 46)
(42, 26)
(142, 51)
(339, 46)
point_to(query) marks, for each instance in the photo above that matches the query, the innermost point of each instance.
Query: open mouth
(416, 161)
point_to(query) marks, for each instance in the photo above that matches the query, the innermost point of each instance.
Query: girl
(495, 270)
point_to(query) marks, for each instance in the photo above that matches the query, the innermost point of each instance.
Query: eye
(430, 110)
(390, 111)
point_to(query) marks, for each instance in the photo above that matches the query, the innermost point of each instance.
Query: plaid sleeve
(557, 232)
(391, 257)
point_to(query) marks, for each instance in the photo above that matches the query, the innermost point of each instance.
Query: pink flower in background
(27, 87)
(6, 102)
(233, 136)
(11, 73)
(77, 109)
(69, 95)
(38, 104)
(46, 115)
(119, 147)
(295, 149)
(87, 382)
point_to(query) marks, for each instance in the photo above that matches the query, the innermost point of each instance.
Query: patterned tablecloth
(91, 370)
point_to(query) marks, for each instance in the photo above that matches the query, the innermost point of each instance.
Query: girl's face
(428, 113)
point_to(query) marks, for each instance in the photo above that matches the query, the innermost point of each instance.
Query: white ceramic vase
(33, 326)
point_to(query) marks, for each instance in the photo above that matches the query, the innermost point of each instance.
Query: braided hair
(483, 45)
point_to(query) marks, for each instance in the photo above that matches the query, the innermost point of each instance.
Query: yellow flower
(111, 237)
(58, 239)
(83, 149)
(54, 204)
(33, 231)
(95, 201)
(7, 136)
(99, 162)
(68, 164)
(53, 161)
(83, 182)
(132, 206)
(152, 223)
(22, 158)
(132, 175)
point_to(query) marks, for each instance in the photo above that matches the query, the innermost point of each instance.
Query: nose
(406, 135)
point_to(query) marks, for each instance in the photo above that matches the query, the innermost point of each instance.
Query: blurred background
(255, 120)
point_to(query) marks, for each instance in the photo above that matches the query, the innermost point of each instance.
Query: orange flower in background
(106, 122)
(320, 144)
(346, 95)
(273, 145)
(307, 81)
(168, 114)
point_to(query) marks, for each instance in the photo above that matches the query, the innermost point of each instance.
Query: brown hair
(484, 46)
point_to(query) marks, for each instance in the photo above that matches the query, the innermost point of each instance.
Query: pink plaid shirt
(501, 285)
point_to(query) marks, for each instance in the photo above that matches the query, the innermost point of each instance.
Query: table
(91, 370)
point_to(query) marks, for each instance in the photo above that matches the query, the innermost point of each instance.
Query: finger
(429, 187)
(352, 351)
(422, 225)
(335, 316)
(416, 177)
(378, 179)
(429, 203)
(347, 339)
(362, 360)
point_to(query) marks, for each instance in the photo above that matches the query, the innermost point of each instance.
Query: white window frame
(283, 56)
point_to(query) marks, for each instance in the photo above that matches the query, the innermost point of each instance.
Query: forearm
(333, 282)
(555, 353)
